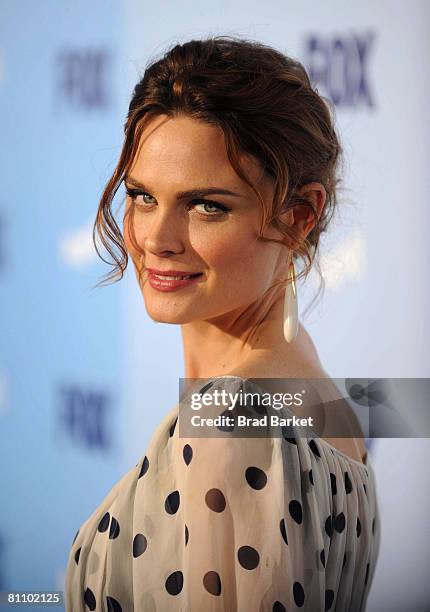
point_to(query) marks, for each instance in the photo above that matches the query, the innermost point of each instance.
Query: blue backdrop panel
(60, 372)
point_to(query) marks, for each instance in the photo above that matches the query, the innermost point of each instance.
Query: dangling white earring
(291, 316)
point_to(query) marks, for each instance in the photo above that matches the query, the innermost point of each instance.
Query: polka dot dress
(230, 524)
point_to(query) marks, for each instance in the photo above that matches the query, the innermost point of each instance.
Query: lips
(174, 277)
(172, 280)
(172, 274)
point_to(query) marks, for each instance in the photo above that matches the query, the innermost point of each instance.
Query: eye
(217, 209)
(135, 193)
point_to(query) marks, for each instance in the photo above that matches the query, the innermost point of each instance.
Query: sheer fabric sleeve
(230, 523)
(232, 499)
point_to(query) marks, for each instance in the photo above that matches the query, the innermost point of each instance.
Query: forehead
(185, 149)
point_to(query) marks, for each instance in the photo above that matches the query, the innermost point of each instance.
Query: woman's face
(214, 234)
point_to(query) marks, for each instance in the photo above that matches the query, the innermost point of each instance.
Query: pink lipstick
(171, 280)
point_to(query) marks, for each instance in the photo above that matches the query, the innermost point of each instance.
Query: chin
(162, 318)
(169, 307)
(164, 314)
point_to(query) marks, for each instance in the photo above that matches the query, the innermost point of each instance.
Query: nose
(163, 235)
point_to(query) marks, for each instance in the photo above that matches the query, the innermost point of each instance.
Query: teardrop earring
(291, 318)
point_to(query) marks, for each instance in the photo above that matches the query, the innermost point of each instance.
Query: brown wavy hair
(266, 106)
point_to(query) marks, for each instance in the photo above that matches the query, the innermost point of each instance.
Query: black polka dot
(255, 477)
(104, 523)
(348, 483)
(114, 529)
(113, 605)
(212, 583)
(283, 530)
(187, 454)
(258, 407)
(77, 555)
(339, 522)
(187, 535)
(311, 477)
(225, 426)
(329, 526)
(172, 427)
(367, 573)
(314, 448)
(206, 387)
(322, 557)
(76, 535)
(278, 607)
(358, 527)
(174, 583)
(215, 500)
(144, 468)
(172, 502)
(333, 483)
(139, 544)
(364, 487)
(373, 526)
(299, 594)
(89, 599)
(329, 598)
(248, 557)
(285, 431)
(295, 508)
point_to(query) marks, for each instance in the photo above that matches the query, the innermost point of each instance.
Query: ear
(300, 217)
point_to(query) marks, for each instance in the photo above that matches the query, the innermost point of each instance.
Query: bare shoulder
(353, 444)
(303, 362)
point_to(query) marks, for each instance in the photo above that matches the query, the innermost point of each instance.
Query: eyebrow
(189, 193)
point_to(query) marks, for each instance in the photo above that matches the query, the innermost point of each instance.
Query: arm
(232, 507)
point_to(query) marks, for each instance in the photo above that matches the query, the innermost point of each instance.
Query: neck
(227, 343)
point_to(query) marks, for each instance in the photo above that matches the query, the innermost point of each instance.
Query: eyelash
(133, 193)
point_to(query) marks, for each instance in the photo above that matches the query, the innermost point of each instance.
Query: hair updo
(266, 106)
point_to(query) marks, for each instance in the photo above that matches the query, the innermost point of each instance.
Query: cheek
(133, 237)
(239, 259)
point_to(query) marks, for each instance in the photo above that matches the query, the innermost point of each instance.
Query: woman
(230, 166)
